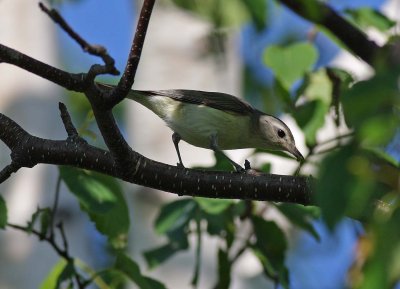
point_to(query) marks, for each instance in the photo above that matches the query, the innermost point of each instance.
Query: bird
(216, 121)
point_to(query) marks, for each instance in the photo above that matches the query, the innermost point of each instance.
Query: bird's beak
(296, 153)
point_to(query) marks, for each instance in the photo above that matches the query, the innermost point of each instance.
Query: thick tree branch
(122, 162)
(322, 14)
(28, 150)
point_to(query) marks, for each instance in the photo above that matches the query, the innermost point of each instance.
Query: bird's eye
(281, 133)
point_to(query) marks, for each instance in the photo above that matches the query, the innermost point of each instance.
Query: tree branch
(28, 150)
(112, 136)
(128, 77)
(356, 40)
(96, 50)
(70, 81)
(122, 162)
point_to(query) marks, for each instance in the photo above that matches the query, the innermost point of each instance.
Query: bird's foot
(180, 165)
(239, 169)
(247, 165)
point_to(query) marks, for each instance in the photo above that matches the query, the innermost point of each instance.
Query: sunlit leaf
(213, 206)
(131, 269)
(51, 280)
(93, 195)
(102, 198)
(367, 17)
(3, 213)
(311, 117)
(290, 63)
(175, 215)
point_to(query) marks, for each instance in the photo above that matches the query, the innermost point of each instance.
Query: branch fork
(120, 160)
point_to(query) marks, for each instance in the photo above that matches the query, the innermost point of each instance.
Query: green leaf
(379, 130)
(45, 220)
(332, 194)
(345, 186)
(66, 274)
(270, 247)
(367, 17)
(3, 213)
(311, 117)
(52, 279)
(93, 195)
(301, 216)
(257, 10)
(213, 206)
(290, 63)
(111, 217)
(175, 215)
(159, 255)
(197, 263)
(224, 270)
(319, 87)
(371, 98)
(35, 216)
(131, 269)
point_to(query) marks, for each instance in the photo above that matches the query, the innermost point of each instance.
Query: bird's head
(278, 136)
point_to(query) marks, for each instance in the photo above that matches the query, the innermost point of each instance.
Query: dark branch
(122, 162)
(322, 14)
(70, 81)
(112, 136)
(28, 150)
(96, 50)
(66, 119)
(128, 77)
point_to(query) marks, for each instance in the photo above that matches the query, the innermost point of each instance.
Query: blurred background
(185, 48)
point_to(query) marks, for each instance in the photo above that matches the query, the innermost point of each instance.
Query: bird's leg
(215, 148)
(176, 138)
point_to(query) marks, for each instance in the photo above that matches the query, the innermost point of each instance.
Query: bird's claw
(247, 165)
(240, 169)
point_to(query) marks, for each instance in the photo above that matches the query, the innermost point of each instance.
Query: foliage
(355, 176)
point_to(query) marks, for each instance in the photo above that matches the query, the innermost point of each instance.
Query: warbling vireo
(216, 121)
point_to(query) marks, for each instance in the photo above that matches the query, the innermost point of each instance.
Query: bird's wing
(217, 100)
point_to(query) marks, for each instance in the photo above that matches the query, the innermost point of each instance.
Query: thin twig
(49, 239)
(55, 205)
(128, 77)
(70, 81)
(336, 138)
(62, 252)
(60, 226)
(66, 119)
(96, 50)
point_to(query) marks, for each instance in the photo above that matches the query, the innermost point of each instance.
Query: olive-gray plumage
(216, 121)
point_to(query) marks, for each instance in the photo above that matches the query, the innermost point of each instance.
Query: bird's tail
(136, 95)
